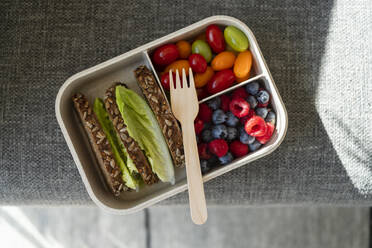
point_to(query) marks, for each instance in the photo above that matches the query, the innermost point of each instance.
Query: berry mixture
(235, 125)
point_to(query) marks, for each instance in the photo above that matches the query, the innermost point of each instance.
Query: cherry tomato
(201, 37)
(223, 60)
(202, 79)
(165, 82)
(178, 65)
(202, 48)
(236, 39)
(215, 38)
(197, 63)
(202, 93)
(243, 64)
(221, 81)
(165, 55)
(184, 49)
(239, 80)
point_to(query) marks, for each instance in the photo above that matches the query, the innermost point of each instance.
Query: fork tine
(178, 81)
(171, 80)
(191, 79)
(184, 79)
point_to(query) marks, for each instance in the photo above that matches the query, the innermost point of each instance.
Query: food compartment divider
(235, 86)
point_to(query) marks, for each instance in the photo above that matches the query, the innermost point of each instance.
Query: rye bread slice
(159, 105)
(100, 144)
(133, 149)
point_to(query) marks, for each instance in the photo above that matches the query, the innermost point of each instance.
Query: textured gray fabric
(319, 53)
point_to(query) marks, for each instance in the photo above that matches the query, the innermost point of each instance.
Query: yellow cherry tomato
(184, 49)
(178, 65)
(223, 60)
(243, 64)
(202, 79)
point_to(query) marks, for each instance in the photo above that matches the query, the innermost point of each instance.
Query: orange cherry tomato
(239, 80)
(202, 79)
(223, 60)
(184, 49)
(178, 65)
(201, 36)
(243, 64)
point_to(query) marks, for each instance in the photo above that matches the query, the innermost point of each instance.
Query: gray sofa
(319, 53)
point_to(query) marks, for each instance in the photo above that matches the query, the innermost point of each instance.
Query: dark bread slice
(167, 122)
(100, 144)
(134, 150)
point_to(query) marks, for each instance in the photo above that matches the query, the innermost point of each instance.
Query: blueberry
(254, 146)
(252, 88)
(246, 138)
(214, 103)
(226, 159)
(271, 117)
(207, 136)
(252, 101)
(263, 96)
(197, 139)
(218, 117)
(241, 129)
(232, 133)
(232, 120)
(204, 166)
(219, 131)
(262, 112)
(213, 161)
(207, 125)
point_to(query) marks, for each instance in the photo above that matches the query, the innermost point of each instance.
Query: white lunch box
(94, 81)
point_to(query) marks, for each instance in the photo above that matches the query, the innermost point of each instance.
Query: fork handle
(198, 207)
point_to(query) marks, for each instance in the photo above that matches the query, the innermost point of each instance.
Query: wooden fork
(185, 108)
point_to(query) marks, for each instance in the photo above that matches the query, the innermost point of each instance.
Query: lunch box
(94, 81)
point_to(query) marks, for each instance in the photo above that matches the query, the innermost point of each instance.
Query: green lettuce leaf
(121, 157)
(144, 128)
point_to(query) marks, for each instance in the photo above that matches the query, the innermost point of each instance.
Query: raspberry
(250, 114)
(240, 92)
(205, 113)
(269, 132)
(255, 126)
(239, 107)
(238, 149)
(198, 125)
(225, 102)
(218, 147)
(203, 151)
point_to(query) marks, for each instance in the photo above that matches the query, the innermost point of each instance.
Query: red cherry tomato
(165, 55)
(221, 81)
(165, 82)
(215, 38)
(197, 63)
(201, 93)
